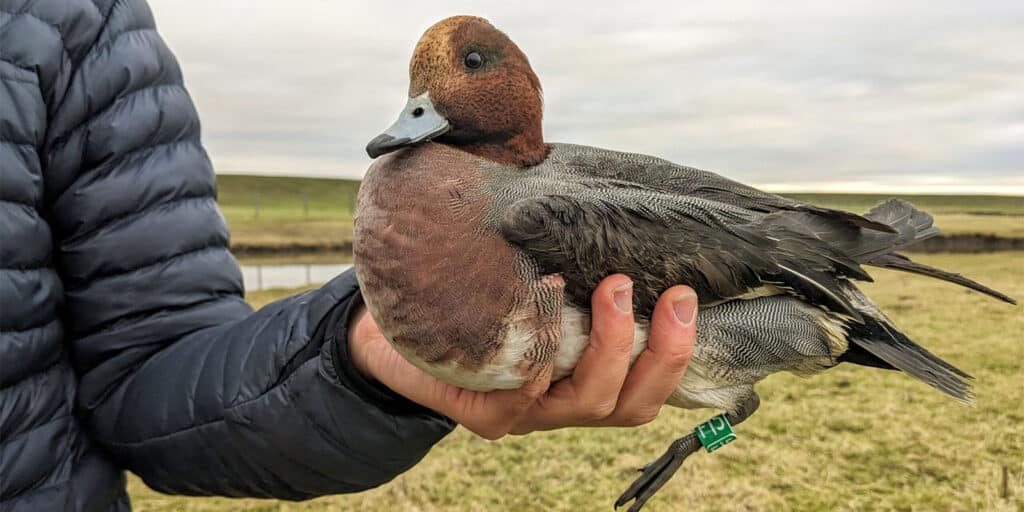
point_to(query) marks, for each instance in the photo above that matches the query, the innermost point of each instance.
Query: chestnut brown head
(471, 87)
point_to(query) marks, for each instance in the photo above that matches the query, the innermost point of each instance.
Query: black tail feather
(900, 262)
(878, 342)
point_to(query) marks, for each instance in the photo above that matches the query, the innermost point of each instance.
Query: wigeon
(478, 244)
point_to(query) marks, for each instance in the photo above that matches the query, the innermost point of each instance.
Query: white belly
(503, 371)
(690, 393)
(695, 390)
(732, 375)
(576, 336)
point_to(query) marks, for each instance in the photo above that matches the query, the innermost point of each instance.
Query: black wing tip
(951, 381)
(966, 397)
(984, 290)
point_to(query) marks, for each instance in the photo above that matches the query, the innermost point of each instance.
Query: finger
(592, 391)
(661, 366)
(602, 368)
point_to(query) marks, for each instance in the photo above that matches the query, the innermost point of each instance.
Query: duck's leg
(657, 473)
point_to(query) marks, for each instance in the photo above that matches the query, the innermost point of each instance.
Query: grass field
(276, 212)
(853, 438)
(269, 212)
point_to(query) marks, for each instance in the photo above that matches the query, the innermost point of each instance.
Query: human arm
(180, 381)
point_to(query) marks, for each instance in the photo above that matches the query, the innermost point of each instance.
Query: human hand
(602, 391)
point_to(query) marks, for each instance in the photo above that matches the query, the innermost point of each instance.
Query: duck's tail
(898, 261)
(876, 342)
(879, 344)
(866, 244)
(912, 226)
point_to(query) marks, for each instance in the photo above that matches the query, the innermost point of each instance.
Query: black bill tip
(384, 144)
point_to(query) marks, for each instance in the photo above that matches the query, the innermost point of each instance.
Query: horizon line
(778, 188)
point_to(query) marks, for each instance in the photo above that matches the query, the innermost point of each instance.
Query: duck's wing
(871, 239)
(661, 240)
(663, 175)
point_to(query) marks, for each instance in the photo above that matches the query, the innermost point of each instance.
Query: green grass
(280, 198)
(287, 213)
(852, 438)
(283, 223)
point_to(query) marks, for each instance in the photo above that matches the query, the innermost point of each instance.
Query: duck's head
(471, 87)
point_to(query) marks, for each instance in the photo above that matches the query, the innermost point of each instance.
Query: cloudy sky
(877, 95)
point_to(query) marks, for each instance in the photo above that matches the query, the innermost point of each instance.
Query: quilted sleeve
(180, 380)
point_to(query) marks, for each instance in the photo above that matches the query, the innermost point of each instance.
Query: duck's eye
(474, 60)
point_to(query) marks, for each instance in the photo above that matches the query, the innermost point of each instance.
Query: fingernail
(685, 308)
(623, 297)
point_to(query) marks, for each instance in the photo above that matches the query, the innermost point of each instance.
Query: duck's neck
(525, 149)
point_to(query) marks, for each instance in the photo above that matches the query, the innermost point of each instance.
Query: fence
(347, 199)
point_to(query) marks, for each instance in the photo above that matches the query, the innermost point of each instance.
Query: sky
(909, 96)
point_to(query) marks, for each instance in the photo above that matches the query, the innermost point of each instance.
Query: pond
(277, 272)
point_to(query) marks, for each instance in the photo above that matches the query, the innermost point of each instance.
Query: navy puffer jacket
(124, 339)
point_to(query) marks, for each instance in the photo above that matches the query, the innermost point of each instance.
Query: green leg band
(715, 433)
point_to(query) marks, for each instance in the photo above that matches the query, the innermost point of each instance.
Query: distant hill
(324, 193)
(268, 213)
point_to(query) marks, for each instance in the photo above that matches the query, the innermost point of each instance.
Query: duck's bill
(418, 122)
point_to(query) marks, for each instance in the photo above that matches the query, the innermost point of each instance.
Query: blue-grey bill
(418, 122)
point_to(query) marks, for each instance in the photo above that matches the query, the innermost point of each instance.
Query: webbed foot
(654, 475)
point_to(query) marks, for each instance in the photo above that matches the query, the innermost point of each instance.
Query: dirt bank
(968, 244)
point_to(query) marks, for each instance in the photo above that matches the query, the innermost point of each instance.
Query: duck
(477, 245)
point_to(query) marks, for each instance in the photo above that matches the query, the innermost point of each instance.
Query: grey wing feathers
(661, 240)
(872, 239)
(731, 192)
(665, 176)
(911, 225)
(666, 224)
